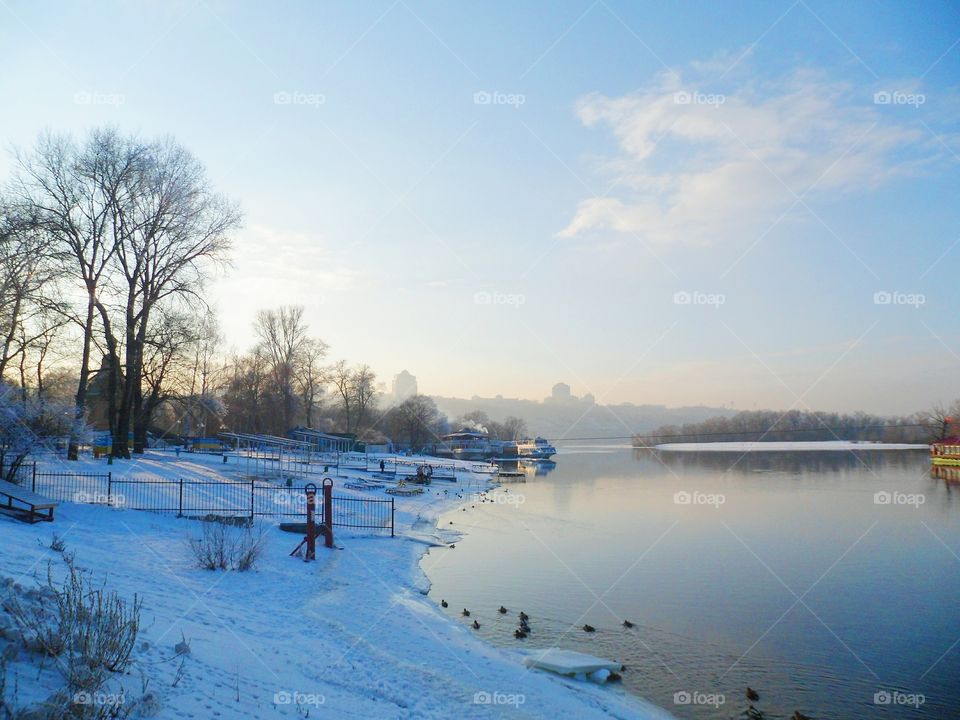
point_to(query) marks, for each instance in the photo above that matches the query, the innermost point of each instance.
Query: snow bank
(348, 636)
(784, 446)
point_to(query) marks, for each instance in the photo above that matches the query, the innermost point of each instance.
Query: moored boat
(946, 452)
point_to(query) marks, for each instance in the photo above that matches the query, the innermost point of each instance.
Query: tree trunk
(80, 402)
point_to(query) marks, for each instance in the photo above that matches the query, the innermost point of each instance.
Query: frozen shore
(351, 635)
(821, 445)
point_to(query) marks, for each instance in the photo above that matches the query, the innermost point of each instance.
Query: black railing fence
(254, 498)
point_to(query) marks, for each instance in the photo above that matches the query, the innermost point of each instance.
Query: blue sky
(679, 203)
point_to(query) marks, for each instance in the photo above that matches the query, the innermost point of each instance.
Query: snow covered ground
(351, 635)
(782, 446)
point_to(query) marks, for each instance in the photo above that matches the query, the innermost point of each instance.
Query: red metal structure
(326, 528)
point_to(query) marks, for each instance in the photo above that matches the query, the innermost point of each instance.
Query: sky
(748, 204)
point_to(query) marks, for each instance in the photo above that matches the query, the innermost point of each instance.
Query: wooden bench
(30, 506)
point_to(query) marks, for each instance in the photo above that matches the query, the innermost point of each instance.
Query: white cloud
(700, 165)
(283, 261)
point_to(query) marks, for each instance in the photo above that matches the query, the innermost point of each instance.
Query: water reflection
(821, 579)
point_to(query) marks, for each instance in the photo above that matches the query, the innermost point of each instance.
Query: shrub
(90, 628)
(221, 548)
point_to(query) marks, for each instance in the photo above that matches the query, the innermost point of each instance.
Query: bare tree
(941, 422)
(311, 376)
(71, 193)
(283, 339)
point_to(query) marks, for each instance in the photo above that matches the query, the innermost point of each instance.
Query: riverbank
(788, 446)
(351, 635)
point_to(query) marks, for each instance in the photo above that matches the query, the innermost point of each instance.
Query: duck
(519, 634)
(502, 610)
(752, 695)
(524, 616)
(466, 613)
(476, 625)
(444, 603)
(627, 624)
(589, 628)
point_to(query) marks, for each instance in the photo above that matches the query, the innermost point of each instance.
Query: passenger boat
(946, 452)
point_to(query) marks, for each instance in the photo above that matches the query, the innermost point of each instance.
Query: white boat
(539, 449)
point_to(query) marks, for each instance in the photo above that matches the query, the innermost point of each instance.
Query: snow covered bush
(28, 424)
(219, 547)
(88, 632)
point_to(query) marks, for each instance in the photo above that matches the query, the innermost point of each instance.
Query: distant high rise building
(404, 385)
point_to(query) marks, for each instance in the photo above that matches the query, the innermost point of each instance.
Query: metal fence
(205, 497)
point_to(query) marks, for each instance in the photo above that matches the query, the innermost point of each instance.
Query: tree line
(107, 244)
(800, 425)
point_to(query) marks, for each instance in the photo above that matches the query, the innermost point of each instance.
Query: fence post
(110, 487)
(33, 480)
(392, 509)
(251, 498)
(180, 513)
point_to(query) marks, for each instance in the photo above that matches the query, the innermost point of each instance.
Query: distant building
(404, 386)
(561, 394)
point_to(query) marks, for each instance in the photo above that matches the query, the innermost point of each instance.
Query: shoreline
(785, 446)
(353, 632)
(643, 707)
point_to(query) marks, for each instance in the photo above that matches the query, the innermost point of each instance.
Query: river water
(827, 581)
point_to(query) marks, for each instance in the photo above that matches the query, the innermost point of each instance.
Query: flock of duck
(523, 627)
(523, 630)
